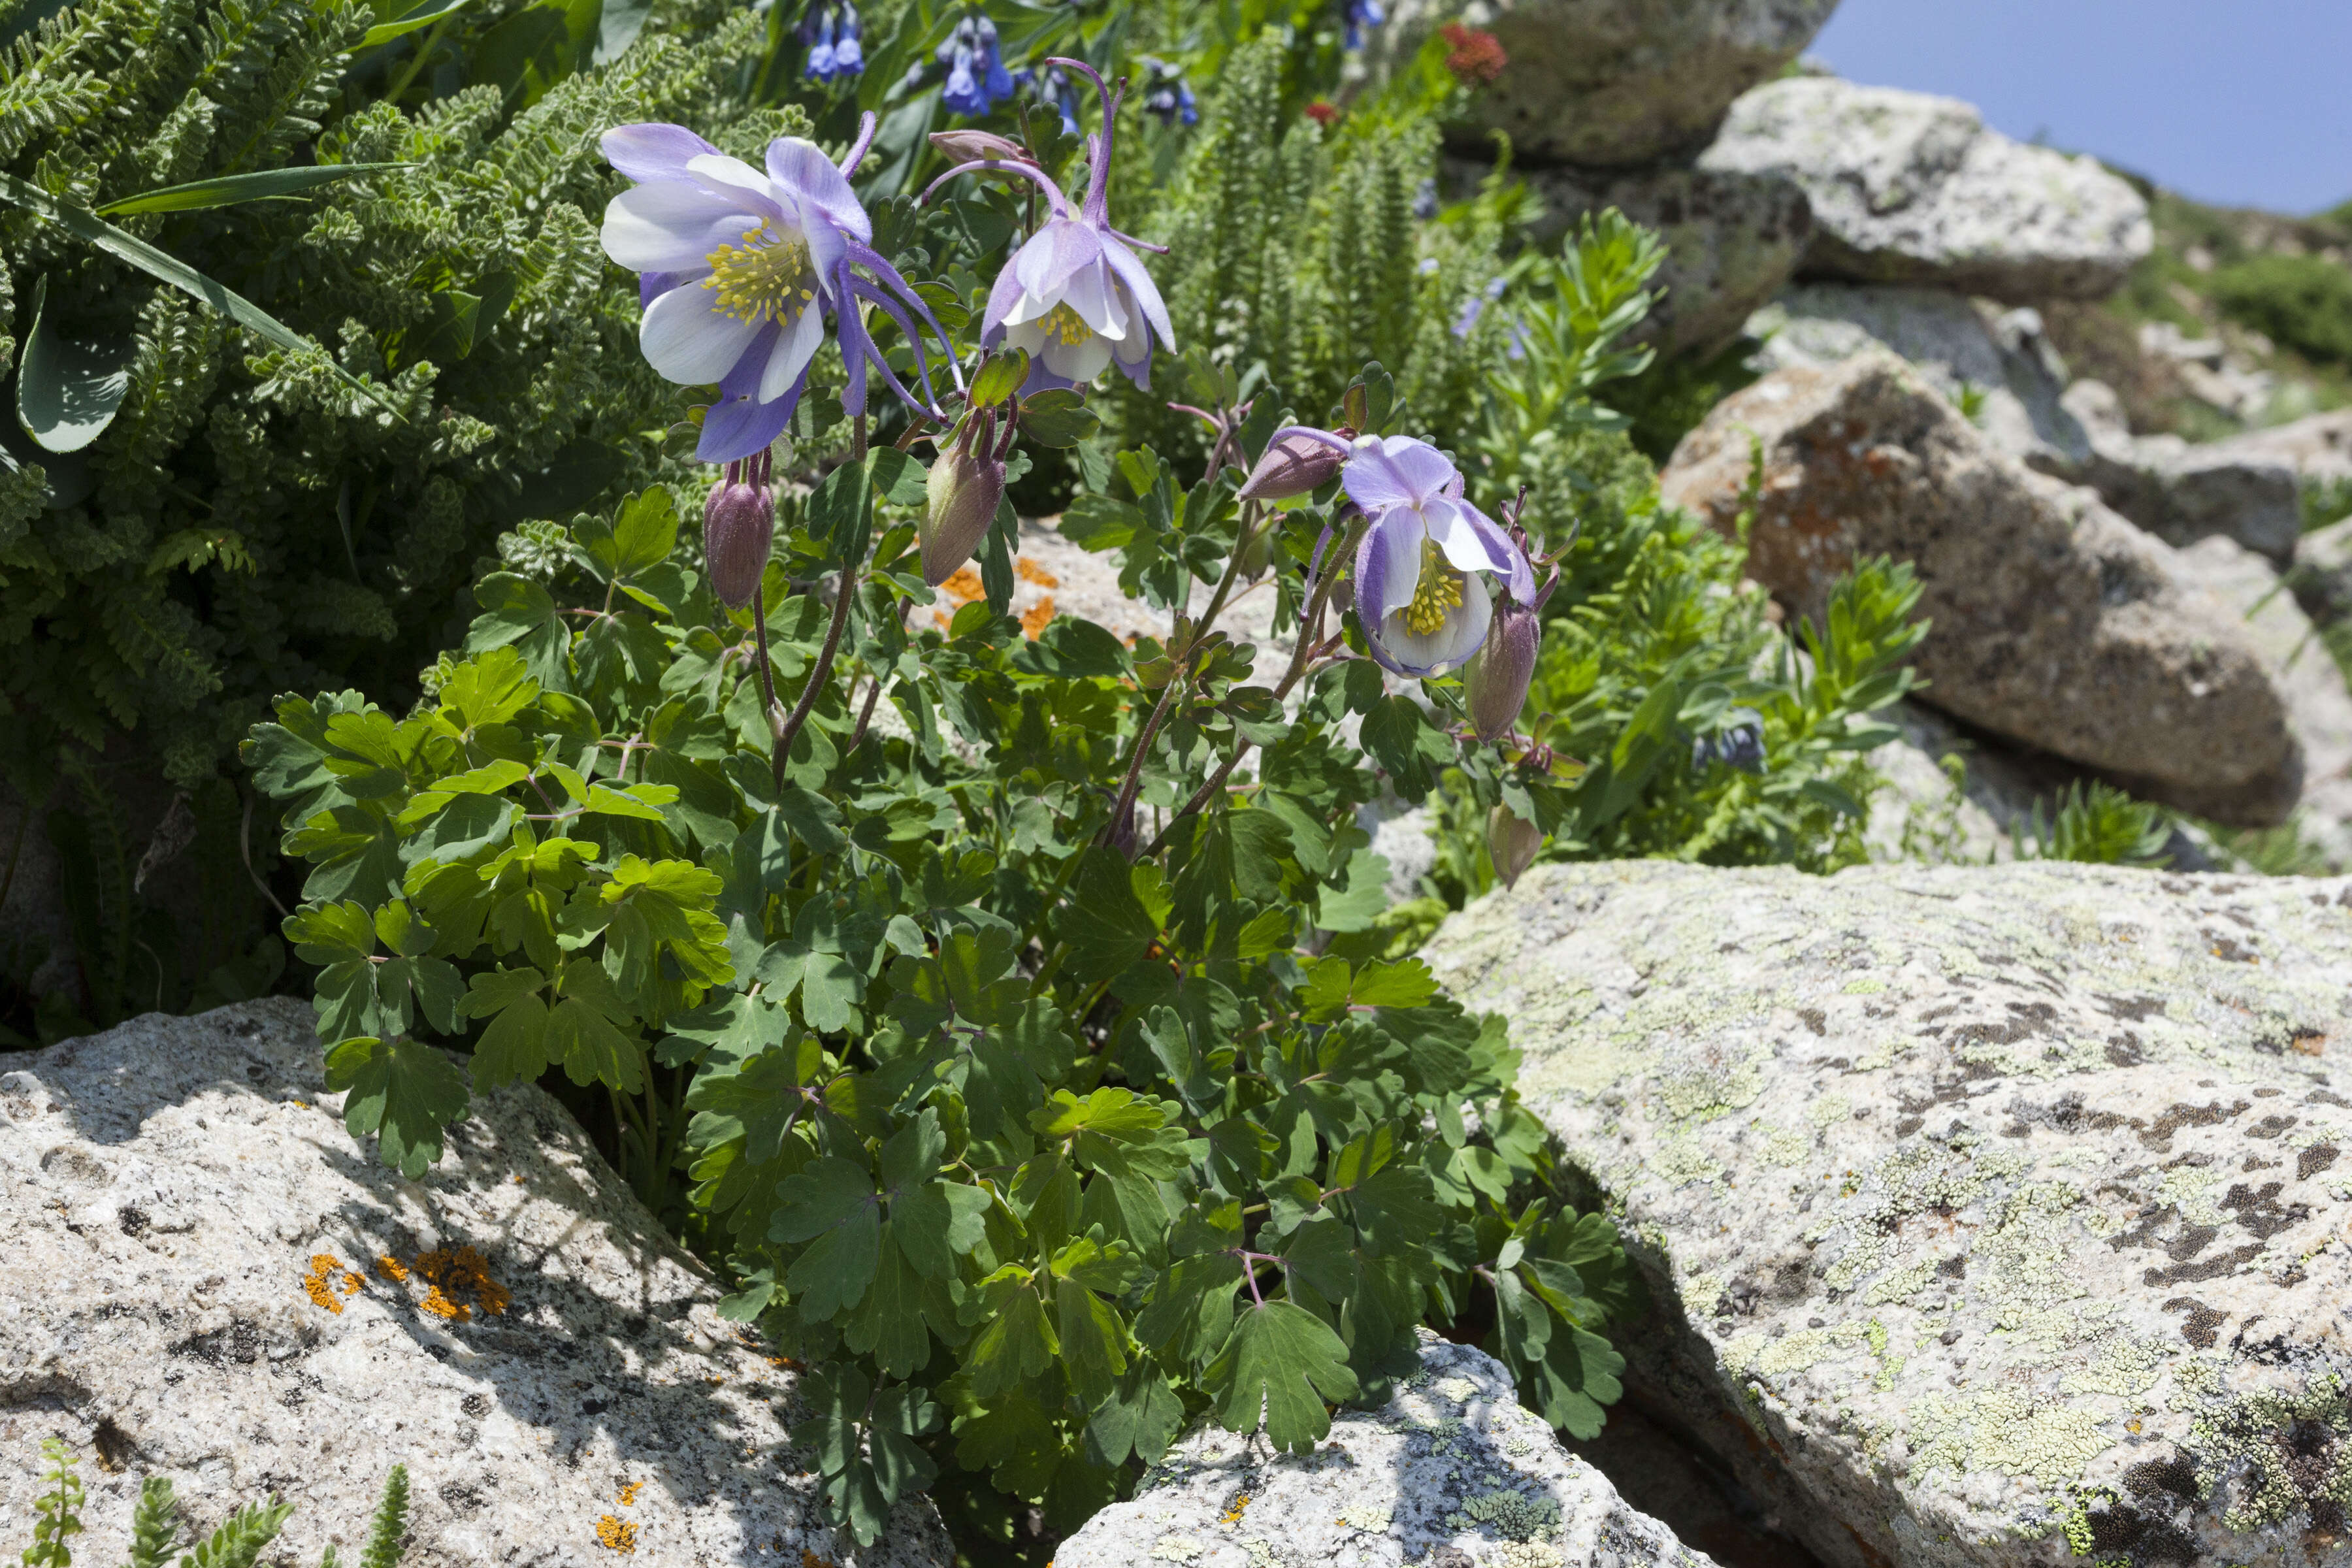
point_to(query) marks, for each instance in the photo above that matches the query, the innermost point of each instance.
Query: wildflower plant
(1005, 1012)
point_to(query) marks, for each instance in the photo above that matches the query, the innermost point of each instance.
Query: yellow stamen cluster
(1436, 595)
(1065, 324)
(768, 278)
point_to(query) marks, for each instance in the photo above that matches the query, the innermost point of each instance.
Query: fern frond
(241, 1537)
(391, 1523)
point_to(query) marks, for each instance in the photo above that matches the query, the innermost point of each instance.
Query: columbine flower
(1739, 743)
(977, 79)
(1360, 14)
(1076, 297)
(1422, 593)
(737, 269)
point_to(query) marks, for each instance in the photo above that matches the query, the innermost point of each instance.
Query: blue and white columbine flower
(1076, 297)
(1355, 17)
(830, 33)
(1422, 570)
(740, 267)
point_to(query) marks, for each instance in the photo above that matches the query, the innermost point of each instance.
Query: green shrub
(2300, 302)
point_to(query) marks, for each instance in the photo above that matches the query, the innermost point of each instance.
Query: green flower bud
(1512, 841)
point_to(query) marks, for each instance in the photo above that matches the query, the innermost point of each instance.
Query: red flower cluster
(1323, 111)
(1474, 55)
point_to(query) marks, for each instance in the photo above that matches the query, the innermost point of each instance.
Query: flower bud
(1512, 841)
(969, 146)
(1292, 467)
(966, 483)
(739, 530)
(1496, 684)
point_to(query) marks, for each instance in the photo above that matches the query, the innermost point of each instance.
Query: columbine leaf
(1284, 1363)
(403, 1092)
(831, 1203)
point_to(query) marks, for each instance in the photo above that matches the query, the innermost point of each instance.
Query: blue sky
(2241, 102)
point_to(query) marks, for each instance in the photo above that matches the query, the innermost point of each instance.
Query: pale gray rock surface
(1981, 1206)
(2055, 621)
(2000, 360)
(2177, 492)
(1450, 1471)
(1732, 240)
(2318, 446)
(1612, 83)
(2319, 706)
(2323, 573)
(164, 1189)
(1911, 188)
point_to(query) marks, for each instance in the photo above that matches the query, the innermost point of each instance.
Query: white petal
(1088, 294)
(1026, 336)
(687, 341)
(1457, 540)
(668, 225)
(1451, 644)
(1028, 307)
(792, 354)
(1078, 361)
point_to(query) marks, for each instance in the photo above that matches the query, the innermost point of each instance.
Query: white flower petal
(687, 341)
(668, 225)
(1461, 544)
(794, 348)
(1079, 361)
(1451, 645)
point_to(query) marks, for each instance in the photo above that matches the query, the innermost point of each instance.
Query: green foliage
(57, 1513)
(1036, 1149)
(2096, 822)
(247, 521)
(390, 1526)
(237, 1541)
(2303, 302)
(154, 1523)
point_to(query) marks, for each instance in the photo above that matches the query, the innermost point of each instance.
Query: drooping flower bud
(739, 530)
(970, 146)
(1512, 841)
(966, 483)
(1495, 683)
(1292, 467)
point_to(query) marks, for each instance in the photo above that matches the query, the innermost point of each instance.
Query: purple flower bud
(966, 483)
(1496, 684)
(739, 530)
(970, 146)
(1292, 467)
(1513, 842)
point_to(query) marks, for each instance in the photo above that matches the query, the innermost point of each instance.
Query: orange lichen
(320, 1283)
(440, 1305)
(939, 618)
(811, 1560)
(1028, 571)
(393, 1269)
(617, 1534)
(1035, 619)
(964, 586)
(462, 1268)
(628, 1496)
(1233, 1514)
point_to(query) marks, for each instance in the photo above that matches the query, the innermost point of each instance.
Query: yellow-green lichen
(1512, 1515)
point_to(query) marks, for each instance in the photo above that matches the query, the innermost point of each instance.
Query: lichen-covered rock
(1911, 188)
(1999, 363)
(2055, 621)
(204, 1276)
(1612, 83)
(1732, 240)
(1994, 1215)
(1450, 1473)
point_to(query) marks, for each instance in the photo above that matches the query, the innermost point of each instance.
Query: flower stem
(1126, 791)
(775, 710)
(823, 674)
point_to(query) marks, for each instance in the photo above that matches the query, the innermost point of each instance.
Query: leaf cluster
(1037, 1137)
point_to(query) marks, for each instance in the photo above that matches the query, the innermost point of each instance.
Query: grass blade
(230, 189)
